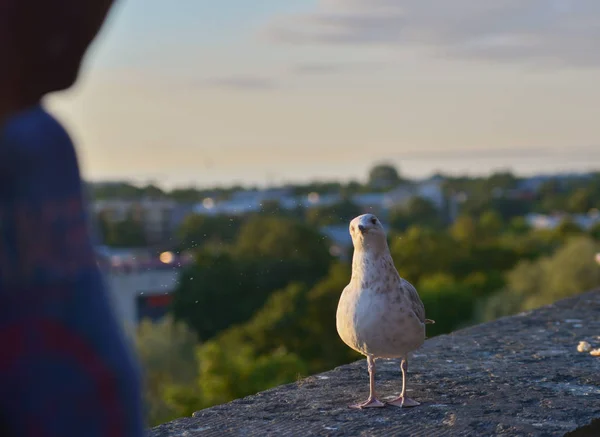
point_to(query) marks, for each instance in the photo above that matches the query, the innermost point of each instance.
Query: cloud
(334, 68)
(573, 152)
(314, 69)
(563, 32)
(243, 82)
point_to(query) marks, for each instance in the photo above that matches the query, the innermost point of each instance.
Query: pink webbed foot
(403, 402)
(369, 403)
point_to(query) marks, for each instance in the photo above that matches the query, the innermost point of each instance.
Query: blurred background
(226, 146)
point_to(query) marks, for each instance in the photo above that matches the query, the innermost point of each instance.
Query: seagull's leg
(402, 400)
(372, 402)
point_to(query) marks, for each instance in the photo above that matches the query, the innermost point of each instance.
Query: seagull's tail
(429, 322)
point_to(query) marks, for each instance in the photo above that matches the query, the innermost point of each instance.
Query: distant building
(552, 221)
(429, 189)
(155, 215)
(371, 202)
(244, 202)
(340, 239)
(534, 183)
(179, 214)
(141, 285)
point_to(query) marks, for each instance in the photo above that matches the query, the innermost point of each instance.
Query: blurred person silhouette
(66, 369)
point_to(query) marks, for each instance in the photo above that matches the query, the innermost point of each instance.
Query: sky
(199, 92)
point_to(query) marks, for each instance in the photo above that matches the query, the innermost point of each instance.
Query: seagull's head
(367, 232)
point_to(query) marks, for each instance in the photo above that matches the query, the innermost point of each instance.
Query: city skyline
(211, 94)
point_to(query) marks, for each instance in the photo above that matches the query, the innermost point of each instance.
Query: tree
(258, 354)
(580, 201)
(383, 176)
(490, 224)
(420, 252)
(231, 370)
(152, 191)
(322, 300)
(272, 207)
(166, 351)
(509, 208)
(551, 197)
(293, 334)
(450, 303)
(567, 228)
(216, 292)
(418, 211)
(340, 213)
(103, 225)
(125, 233)
(115, 190)
(501, 180)
(199, 230)
(221, 289)
(519, 226)
(571, 270)
(187, 195)
(595, 231)
(278, 238)
(464, 229)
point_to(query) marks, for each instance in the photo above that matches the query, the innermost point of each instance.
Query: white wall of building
(126, 287)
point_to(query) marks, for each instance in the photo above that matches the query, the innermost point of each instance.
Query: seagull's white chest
(378, 319)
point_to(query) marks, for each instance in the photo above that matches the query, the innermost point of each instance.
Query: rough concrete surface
(517, 376)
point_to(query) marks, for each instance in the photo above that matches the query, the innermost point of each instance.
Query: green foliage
(567, 229)
(252, 357)
(279, 343)
(117, 190)
(383, 176)
(581, 201)
(595, 231)
(420, 252)
(316, 187)
(340, 213)
(224, 289)
(200, 230)
(448, 302)
(570, 271)
(418, 212)
(166, 353)
(263, 291)
(125, 233)
(230, 369)
(277, 238)
(485, 257)
(490, 225)
(464, 229)
(518, 226)
(187, 195)
(509, 208)
(503, 180)
(322, 299)
(220, 290)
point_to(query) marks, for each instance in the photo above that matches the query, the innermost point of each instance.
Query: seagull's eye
(374, 220)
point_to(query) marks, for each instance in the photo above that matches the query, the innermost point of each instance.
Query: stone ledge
(517, 376)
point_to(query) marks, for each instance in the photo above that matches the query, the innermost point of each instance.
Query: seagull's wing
(411, 293)
(415, 301)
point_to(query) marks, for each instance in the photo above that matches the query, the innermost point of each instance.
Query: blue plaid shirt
(65, 367)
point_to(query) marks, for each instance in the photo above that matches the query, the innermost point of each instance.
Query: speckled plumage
(379, 313)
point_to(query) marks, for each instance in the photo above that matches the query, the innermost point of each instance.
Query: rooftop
(516, 376)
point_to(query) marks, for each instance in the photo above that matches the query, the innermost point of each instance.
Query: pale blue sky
(150, 33)
(197, 91)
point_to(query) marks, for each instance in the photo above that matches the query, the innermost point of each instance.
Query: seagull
(379, 314)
